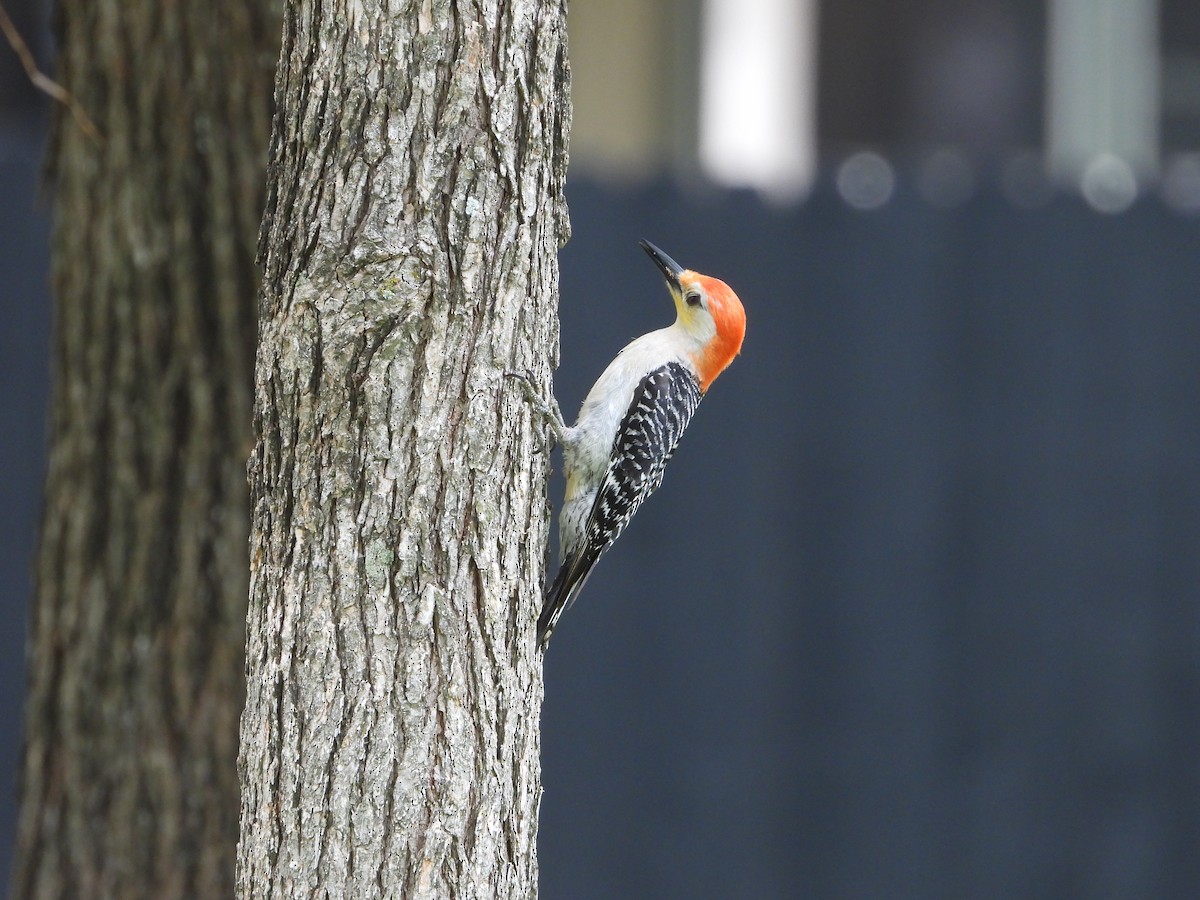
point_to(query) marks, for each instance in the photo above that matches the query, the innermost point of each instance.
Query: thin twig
(44, 82)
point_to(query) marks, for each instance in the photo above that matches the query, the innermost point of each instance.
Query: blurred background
(915, 612)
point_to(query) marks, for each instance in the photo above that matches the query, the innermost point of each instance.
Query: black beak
(671, 269)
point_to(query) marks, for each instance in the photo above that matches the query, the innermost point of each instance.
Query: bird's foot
(548, 411)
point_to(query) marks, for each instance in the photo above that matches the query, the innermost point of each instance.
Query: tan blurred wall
(632, 85)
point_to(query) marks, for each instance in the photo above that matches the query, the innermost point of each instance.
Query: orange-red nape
(730, 319)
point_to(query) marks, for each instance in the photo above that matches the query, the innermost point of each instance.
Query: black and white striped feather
(661, 408)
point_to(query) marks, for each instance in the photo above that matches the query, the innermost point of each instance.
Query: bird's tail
(562, 592)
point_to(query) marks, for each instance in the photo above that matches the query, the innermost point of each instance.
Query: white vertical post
(1103, 94)
(758, 94)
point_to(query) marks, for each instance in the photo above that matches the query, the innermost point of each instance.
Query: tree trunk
(129, 780)
(415, 208)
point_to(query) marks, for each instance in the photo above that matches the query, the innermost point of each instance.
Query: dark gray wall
(24, 388)
(914, 613)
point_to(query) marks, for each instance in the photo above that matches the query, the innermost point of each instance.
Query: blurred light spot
(866, 180)
(1108, 184)
(1023, 181)
(1181, 183)
(946, 178)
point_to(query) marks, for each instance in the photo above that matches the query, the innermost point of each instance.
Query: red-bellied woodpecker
(631, 421)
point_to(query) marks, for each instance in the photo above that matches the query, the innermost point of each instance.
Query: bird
(630, 424)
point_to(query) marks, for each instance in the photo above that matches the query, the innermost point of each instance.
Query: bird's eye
(692, 298)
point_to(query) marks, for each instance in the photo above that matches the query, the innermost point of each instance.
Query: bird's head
(709, 313)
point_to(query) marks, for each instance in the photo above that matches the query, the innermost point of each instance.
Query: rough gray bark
(129, 779)
(390, 742)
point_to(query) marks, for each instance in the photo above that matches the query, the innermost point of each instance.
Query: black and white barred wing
(662, 406)
(661, 409)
